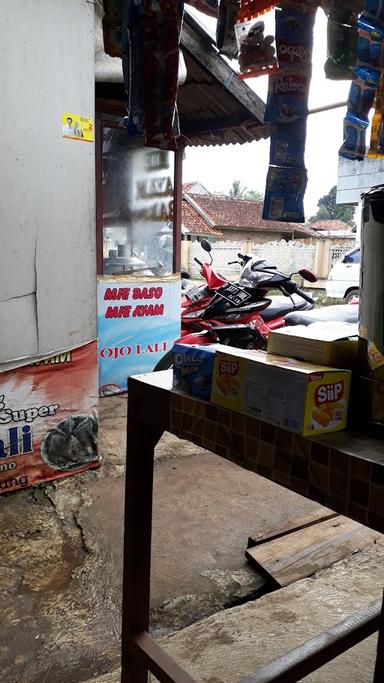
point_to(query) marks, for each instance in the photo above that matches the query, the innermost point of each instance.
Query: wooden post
(379, 667)
(141, 440)
(177, 210)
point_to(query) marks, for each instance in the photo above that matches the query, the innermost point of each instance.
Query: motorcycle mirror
(307, 275)
(205, 245)
(185, 275)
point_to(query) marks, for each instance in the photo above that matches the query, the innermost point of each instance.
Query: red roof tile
(242, 214)
(331, 226)
(194, 223)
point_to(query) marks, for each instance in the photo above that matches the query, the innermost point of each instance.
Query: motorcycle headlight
(251, 278)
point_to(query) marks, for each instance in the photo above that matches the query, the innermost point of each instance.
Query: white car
(343, 280)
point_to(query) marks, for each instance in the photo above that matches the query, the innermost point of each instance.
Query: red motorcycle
(238, 315)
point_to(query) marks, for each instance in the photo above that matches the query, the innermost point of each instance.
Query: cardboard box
(368, 397)
(302, 398)
(371, 360)
(193, 369)
(330, 344)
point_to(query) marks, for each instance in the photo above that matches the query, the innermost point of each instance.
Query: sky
(217, 167)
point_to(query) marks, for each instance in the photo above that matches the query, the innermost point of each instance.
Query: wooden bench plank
(299, 554)
(314, 517)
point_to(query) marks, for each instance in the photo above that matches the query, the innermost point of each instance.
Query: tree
(239, 190)
(255, 195)
(329, 210)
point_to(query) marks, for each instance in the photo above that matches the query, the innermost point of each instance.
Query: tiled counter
(343, 471)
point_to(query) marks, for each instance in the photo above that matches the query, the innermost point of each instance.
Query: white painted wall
(222, 252)
(47, 186)
(287, 256)
(356, 177)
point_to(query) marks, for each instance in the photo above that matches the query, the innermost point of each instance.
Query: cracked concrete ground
(61, 560)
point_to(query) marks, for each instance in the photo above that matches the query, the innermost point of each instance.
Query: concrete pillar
(47, 183)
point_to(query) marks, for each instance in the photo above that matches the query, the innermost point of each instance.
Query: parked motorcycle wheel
(165, 363)
(352, 294)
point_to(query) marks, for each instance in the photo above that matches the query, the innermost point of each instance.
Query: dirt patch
(52, 595)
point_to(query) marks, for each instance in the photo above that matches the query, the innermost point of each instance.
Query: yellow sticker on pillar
(77, 127)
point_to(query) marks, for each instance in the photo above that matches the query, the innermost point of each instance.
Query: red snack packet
(162, 27)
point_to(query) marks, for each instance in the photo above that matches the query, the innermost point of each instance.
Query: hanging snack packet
(377, 129)
(112, 21)
(380, 144)
(256, 51)
(376, 9)
(225, 28)
(354, 145)
(364, 84)
(362, 91)
(376, 126)
(284, 194)
(294, 38)
(369, 43)
(342, 41)
(288, 143)
(173, 14)
(150, 41)
(133, 58)
(162, 27)
(308, 6)
(287, 99)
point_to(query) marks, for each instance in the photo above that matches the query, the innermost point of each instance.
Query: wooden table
(342, 471)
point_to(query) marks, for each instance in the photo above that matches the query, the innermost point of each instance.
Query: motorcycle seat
(282, 305)
(344, 313)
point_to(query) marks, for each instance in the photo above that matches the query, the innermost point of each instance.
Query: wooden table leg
(379, 667)
(141, 441)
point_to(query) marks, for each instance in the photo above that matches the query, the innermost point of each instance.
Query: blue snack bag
(369, 43)
(354, 145)
(288, 143)
(287, 99)
(362, 91)
(286, 181)
(193, 369)
(375, 8)
(284, 194)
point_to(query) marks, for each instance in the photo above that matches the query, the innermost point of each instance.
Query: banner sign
(138, 322)
(48, 419)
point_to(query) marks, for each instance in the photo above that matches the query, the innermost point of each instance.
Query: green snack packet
(342, 43)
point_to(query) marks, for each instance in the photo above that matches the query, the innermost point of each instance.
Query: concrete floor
(237, 642)
(61, 563)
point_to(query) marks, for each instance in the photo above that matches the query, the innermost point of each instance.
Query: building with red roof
(332, 227)
(234, 218)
